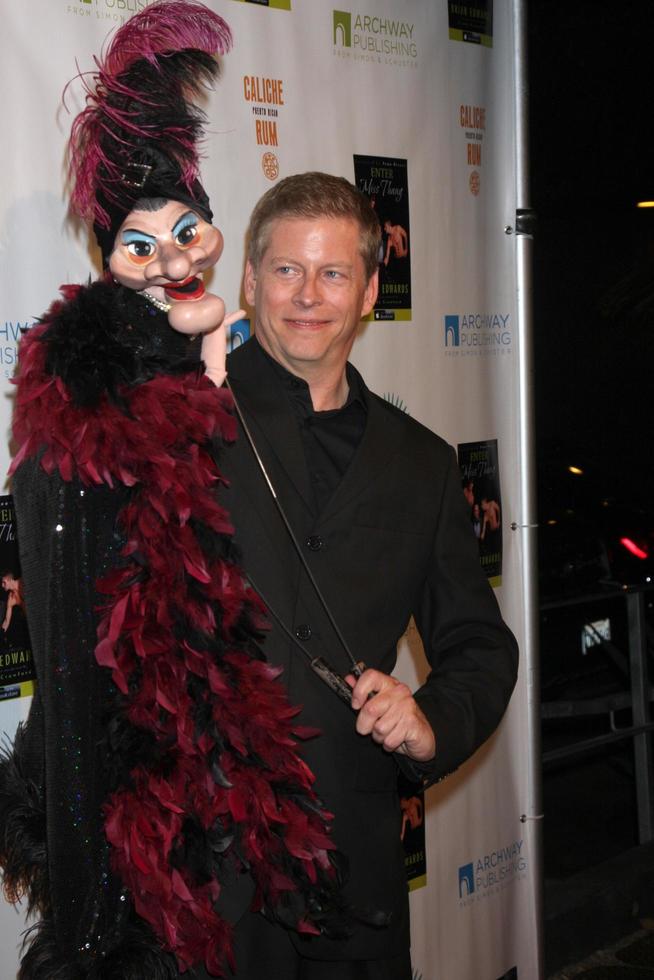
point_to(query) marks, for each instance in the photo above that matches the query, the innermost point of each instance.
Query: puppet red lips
(191, 288)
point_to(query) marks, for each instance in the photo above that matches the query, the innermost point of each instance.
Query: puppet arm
(214, 348)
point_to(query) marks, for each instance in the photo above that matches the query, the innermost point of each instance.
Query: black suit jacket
(394, 541)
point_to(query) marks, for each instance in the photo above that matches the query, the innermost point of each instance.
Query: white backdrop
(402, 88)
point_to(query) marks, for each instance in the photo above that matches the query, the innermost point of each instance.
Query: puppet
(155, 791)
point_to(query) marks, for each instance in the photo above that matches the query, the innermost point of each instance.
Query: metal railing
(637, 699)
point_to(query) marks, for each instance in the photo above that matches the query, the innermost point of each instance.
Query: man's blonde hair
(315, 195)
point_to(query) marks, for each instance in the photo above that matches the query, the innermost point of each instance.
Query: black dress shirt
(329, 438)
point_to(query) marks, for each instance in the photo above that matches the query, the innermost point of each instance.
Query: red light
(633, 548)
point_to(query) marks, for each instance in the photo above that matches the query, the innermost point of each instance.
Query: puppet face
(164, 250)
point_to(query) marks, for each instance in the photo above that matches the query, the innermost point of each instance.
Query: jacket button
(314, 542)
(303, 632)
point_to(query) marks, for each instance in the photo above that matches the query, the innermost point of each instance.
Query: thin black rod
(356, 668)
(319, 665)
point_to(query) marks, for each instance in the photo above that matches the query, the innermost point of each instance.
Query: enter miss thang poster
(385, 182)
(16, 664)
(479, 465)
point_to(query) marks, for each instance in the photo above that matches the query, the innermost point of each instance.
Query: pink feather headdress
(138, 135)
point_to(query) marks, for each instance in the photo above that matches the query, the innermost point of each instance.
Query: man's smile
(307, 324)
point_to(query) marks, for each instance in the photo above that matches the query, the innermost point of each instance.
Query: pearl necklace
(159, 303)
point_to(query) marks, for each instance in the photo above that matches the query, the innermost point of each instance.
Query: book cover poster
(412, 803)
(385, 183)
(480, 473)
(16, 664)
(471, 22)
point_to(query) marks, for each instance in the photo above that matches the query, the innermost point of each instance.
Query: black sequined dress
(154, 792)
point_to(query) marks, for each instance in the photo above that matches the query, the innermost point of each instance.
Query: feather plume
(139, 110)
(22, 831)
(208, 789)
(139, 956)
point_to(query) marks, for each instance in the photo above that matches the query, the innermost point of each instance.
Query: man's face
(310, 292)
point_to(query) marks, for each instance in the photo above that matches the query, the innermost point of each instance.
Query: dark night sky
(592, 133)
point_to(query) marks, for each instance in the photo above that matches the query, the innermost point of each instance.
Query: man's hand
(390, 714)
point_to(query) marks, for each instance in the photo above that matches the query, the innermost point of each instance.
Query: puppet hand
(389, 713)
(214, 348)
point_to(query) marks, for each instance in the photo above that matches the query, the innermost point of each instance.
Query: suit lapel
(382, 438)
(270, 419)
(272, 423)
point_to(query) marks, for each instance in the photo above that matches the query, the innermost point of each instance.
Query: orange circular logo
(270, 166)
(474, 182)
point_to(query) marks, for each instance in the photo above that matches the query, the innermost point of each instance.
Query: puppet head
(134, 162)
(161, 249)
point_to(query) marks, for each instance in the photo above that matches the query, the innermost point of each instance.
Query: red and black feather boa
(226, 791)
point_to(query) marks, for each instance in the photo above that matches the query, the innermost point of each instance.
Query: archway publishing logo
(489, 873)
(10, 336)
(237, 334)
(371, 37)
(479, 334)
(343, 28)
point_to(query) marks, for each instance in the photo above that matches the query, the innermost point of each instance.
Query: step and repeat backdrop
(414, 100)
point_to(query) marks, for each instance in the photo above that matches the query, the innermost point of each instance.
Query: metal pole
(528, 524)
(640, 714)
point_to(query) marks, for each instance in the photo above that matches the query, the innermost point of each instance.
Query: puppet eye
(187, 235)
(141, 248)
(186, 231)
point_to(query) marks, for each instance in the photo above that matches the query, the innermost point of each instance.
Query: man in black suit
(374, 500)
